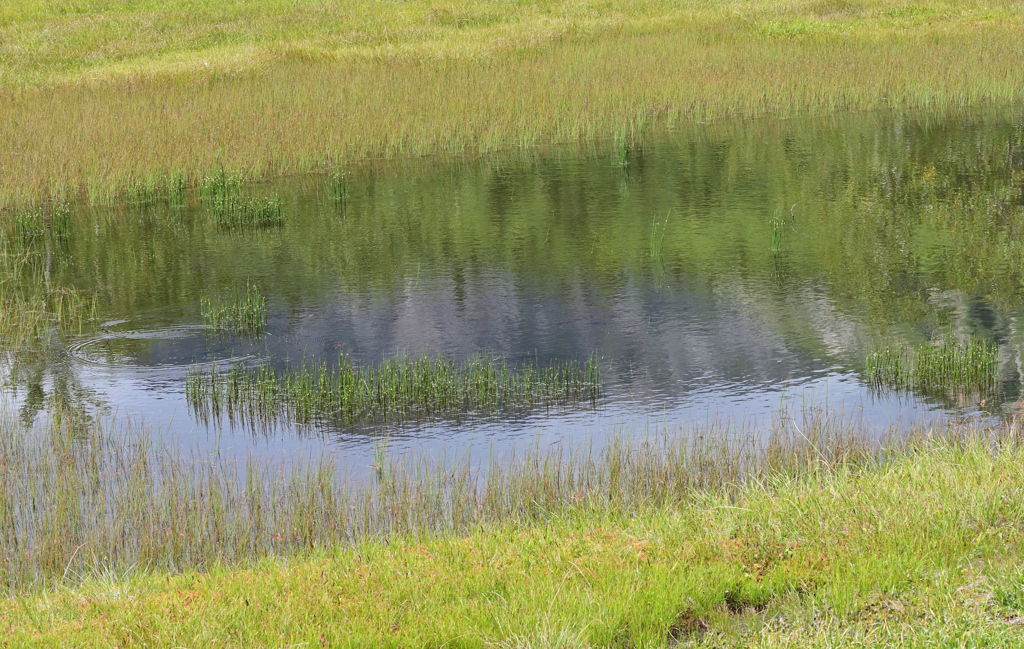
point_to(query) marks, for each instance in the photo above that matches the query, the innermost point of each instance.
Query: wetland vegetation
(399, 388)
(246, 314)
(538, 181)
(264, 90)
(806, 534)
(946, 364)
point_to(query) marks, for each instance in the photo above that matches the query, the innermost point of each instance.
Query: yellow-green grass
(99, 99)
(921, 548)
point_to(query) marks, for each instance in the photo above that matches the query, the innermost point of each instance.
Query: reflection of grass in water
(950, 365)
(399, 388)
(246, 314)
(32, 309)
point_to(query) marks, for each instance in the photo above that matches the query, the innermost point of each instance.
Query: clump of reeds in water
(339, 186)
(231, 208)
(246, 314)
(242, 212)
(32, 223)
(396, 389)
(948, 365)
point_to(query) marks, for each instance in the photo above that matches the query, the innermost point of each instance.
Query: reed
(947, 365)
(396, 389)
(250, 212)
(246, 314)
(339, 186)
(79, 497)
(31, 224)
(294, 90)
(657, 243)
(230, 207)
(848, 544)
(778, 224)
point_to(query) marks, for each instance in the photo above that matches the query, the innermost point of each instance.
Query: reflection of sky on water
(670, 357)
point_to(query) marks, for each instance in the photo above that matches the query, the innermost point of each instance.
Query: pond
(714, 271)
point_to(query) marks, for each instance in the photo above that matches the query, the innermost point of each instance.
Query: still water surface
(896, 227)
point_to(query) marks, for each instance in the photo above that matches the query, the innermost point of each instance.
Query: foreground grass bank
(265, 89)
(819, 538)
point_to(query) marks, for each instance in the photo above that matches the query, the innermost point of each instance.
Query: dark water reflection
(896, 226)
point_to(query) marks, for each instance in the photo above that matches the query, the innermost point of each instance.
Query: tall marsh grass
(396, 389)
(79, 498)
(949, 365)
(409, 85)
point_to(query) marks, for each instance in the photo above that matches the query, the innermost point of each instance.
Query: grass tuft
(396, 389)
(946, 365)
(247, 314)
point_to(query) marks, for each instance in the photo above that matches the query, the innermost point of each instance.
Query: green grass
(396, 389)
(166, 94)
(230, 207)
(813, 540)
(947, 365)
(247, 314)
(247, 212)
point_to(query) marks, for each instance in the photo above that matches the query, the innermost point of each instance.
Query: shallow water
(896, 227)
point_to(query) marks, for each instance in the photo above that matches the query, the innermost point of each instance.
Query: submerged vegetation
(722, 536)
(399, 388)
(262, 89)
(947, 365)
(247, 314)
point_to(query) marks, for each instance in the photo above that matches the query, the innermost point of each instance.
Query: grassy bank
(816, 543)
(265, 89)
